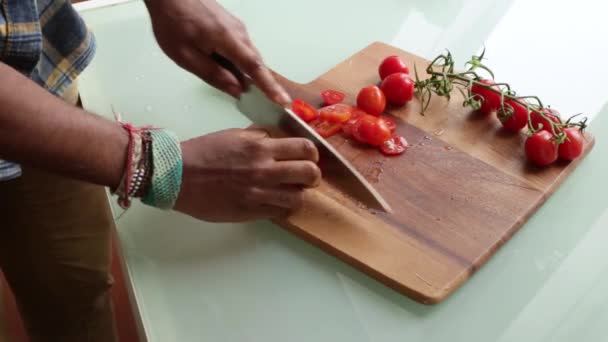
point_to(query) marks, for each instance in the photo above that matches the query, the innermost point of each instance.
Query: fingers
(250, 62)
(211, 72)
(264, 211)
(293, 149)
(285, 197)
(301, 172)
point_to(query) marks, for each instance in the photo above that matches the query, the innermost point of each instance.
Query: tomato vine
(444, 79)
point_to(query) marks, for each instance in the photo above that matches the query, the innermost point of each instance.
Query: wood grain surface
(460, 192)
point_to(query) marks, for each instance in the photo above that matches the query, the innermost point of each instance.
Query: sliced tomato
(332, 96)
(304, 110)
(326, 128)
(339, 112)
(357, 113)
(371, 130)
(349, 125)
(389, 122)
(394, 146)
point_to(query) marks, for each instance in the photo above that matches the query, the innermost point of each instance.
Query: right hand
(237, 175)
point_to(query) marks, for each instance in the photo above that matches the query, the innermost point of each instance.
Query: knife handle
(224, 62)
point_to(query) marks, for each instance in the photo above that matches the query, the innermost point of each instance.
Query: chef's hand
(190, 31)
(242, 174)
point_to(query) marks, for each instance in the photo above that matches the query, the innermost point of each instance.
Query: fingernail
(283, 98)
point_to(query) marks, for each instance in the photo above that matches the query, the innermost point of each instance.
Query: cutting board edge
(421, 297)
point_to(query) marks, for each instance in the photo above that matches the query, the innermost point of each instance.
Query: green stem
(517, 99)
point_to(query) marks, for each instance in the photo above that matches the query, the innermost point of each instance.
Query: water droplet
(448, 148)
(439, 132)
(426, 137)
(137, 78)
(148, 108)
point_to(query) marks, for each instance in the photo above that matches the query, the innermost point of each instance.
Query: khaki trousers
(55, 252)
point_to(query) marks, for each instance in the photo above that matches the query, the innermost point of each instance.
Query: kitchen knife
(336, 169)
(254, 104)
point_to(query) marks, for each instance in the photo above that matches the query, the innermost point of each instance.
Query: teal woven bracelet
(167, 170)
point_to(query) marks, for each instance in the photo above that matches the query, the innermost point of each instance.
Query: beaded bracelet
(153, 169)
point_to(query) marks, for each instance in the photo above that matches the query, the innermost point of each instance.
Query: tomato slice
(349, 125)
(304, 110)
(339, 112)
(332, 97)
(326, 128)
(394, 146)
(389, 122)
(371, 130)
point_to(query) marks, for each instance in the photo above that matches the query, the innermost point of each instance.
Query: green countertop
(196, 281)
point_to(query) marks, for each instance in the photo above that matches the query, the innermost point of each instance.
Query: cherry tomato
(371, 100)
(517, 120)
(398, 88)
(394, 146)
(572, 147)
(339, 112)
(538, 120)
(371, 130)
(304, 110)
(391, 65)
(390, 123)
(490, 101)
(332, 97)
(326, 128)
(541, 149)
(349, 125)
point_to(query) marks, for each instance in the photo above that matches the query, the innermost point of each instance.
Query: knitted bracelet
(166, 170)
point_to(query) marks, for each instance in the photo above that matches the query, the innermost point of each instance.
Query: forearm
(41, 130)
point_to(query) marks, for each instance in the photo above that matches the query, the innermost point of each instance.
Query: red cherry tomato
(371, 130)
(390, 123)
(332, 97)
(538, 120)
(349, 125)
(339, 112)
(326, 128)
(304, 110)
(371, 100)
(541, 149)
(490, 101)
(516, 120)
(391, 65)
(394, 146)
(572, 147)
(398, 88)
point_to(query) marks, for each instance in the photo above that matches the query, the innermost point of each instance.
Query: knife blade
(335, 168)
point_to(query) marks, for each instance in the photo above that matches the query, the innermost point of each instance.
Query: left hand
(190, 31)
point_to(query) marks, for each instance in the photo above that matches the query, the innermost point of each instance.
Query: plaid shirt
(47, 41)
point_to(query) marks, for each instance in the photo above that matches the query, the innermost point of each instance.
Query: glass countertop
(197, 281)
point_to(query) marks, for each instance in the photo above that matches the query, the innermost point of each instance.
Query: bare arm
(247, 174)
(39, 129)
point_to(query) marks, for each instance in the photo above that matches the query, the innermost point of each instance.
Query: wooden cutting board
(461, 190)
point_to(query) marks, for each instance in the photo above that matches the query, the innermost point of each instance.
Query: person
(58, 159)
